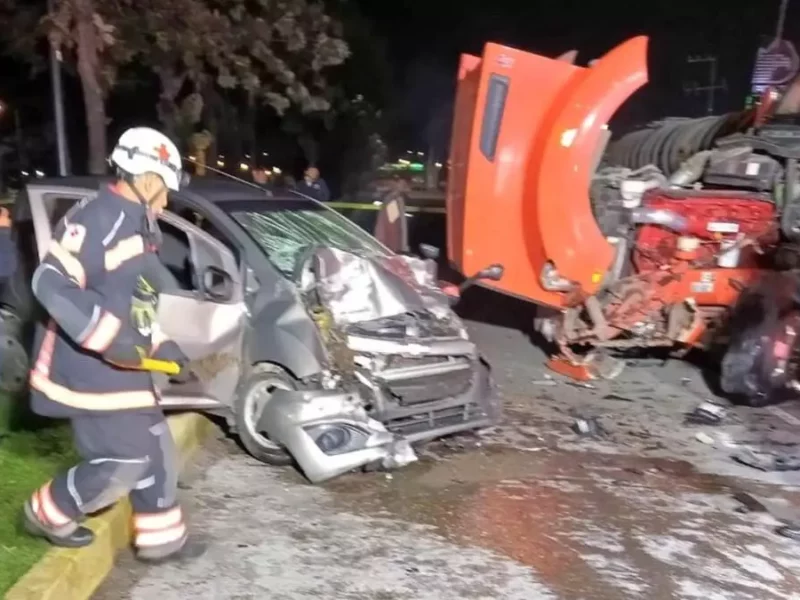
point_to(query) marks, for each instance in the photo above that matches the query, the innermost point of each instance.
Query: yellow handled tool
(168, 367)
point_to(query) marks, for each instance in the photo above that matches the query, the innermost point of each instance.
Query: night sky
(424, 39)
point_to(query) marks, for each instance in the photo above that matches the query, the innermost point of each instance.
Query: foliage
(28, 458)
(274, 51)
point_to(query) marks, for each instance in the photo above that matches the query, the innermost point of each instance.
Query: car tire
(262, 380)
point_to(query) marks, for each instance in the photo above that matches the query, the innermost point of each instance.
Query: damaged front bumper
(329, 433)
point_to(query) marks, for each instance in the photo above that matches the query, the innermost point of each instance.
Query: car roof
(212, 189)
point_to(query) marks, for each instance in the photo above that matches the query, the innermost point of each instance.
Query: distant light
(276, 170)
(39, 173)
(403, 161)
(221, 157)
(192, 158)
(247, 156)
(377, 202)
(409, 215)
(409, 152)
(438, 165)
(244, 166)
(420, 154)
(25, 174)
(264, 154)
(220, 163)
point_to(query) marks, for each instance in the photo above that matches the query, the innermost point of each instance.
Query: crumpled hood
(357, 289)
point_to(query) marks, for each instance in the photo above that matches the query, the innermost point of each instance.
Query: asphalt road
(527, 511)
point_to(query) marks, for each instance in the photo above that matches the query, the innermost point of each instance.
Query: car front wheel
(255, 392)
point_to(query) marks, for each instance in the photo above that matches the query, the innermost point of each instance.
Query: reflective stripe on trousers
(124, 454)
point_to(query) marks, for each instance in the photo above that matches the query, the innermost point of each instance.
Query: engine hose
(789, 216)
(659, 216)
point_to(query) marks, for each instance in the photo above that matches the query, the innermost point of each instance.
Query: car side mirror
(492, 273)
(217, 284)
(428, 251)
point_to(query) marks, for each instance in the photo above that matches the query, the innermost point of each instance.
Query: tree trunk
(88, 50)
(171, 85)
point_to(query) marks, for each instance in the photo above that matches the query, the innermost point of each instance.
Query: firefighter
(95, 283)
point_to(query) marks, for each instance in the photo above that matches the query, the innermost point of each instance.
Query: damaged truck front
(643, 243)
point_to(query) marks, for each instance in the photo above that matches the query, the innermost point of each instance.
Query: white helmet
(144, 150)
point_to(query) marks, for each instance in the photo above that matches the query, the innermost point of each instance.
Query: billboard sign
(777, 63)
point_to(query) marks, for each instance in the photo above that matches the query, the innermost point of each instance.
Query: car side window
(198, 219)
(176, 255)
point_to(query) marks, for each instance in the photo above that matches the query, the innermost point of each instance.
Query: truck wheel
(255, 393)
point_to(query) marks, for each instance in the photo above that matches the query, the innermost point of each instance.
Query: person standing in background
(8, 250)
(314, 186)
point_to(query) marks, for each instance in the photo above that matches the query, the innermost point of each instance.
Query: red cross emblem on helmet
(163, 153)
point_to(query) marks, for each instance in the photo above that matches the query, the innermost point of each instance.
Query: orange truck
(643, 242)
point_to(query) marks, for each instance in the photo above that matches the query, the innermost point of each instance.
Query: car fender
(283, 333)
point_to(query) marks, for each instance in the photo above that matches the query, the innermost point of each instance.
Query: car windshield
(285, 228)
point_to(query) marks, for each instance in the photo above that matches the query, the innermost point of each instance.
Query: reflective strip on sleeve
(46, 509)
(103, 334)
(69, 262)
(123, 251)
(90, 401)
(40, 380)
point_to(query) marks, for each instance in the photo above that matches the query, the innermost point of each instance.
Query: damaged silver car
(318, 344)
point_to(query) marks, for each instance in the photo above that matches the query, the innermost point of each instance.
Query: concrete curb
(69, 574)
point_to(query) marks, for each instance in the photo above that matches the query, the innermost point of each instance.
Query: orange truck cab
(528, 134)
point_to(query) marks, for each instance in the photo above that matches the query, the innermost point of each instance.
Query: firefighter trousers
(123, 454)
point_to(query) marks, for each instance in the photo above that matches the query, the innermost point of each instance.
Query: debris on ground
(789, 531)
(749, 503)
(703, 437)
(581, 384)
(588, 427)
(618, 398)
(708, 413)
(767, 461)
(546, 380)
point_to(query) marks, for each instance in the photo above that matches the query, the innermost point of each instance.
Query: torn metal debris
(708, 413)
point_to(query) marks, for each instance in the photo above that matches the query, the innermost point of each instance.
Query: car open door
(207, 322)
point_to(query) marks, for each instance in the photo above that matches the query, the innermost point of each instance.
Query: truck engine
(646, 241)
(688, 241)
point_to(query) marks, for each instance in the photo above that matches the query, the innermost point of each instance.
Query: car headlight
(338, 438)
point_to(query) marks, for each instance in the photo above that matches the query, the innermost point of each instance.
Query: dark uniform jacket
(93, 282)
(8, 253)
(318, 190)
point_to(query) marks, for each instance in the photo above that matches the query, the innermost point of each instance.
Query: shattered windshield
(286, 228)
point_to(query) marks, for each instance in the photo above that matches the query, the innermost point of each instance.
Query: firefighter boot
(189, 550)
(68, 535)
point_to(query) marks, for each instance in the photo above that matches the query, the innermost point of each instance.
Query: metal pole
(58, 108)
(781, 20)
(713, 86)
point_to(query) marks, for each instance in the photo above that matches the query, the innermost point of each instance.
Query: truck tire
(254, 393)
